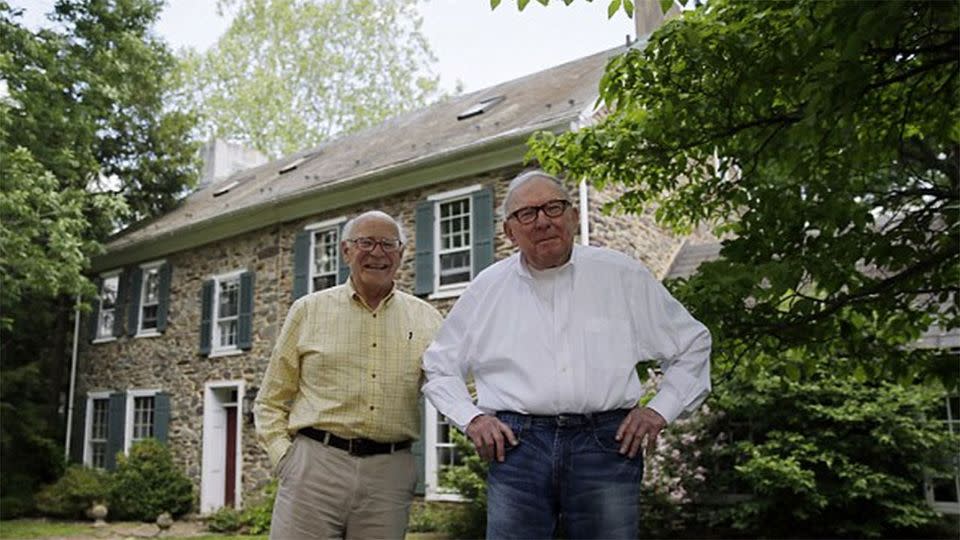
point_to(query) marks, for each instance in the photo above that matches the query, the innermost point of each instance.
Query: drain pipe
(584, 215)
(73, 378)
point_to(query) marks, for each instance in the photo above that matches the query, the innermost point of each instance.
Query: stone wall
(172, 362)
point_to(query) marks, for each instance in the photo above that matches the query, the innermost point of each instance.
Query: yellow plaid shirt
(345, 368)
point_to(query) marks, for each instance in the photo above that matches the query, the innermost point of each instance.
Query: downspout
(73, 378)
(584, 217)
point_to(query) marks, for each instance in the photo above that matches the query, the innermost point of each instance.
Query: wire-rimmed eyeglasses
(364, 243)
(528, 214)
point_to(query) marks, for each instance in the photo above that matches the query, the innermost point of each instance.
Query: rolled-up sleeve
(279, 388)
(681, 345)
(446, 364)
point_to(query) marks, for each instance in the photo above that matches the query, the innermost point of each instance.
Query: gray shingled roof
(429, 137)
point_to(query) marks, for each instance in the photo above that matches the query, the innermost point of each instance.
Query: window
(97, 414)
(944, 492)
(226, 313)
(325, 258)
(149, 298)
(140, 418)
(454, 240)
(107, 314)
(453, 251)
(441, 454)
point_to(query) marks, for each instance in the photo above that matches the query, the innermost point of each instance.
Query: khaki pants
(327, 493)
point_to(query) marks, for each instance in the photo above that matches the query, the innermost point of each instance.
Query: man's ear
(344, 250)
(508, 232)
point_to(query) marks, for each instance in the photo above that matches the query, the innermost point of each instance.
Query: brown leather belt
(356, 447)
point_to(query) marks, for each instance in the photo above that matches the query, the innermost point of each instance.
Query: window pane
(142, 417)
(228, 333)
(149, 319)
(455, 267)
(108, 292)
(945, 490)
(105, 328)
(229, 298)
(325, 252)
(151, 286)
(324, 282)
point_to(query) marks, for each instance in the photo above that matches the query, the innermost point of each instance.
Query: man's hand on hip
(490, 436)
(640, 422)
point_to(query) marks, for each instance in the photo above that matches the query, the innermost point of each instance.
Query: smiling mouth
(376, 266)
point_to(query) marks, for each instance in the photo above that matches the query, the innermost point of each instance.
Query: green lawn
(42, 528)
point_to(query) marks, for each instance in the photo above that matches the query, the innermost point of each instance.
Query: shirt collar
(359, 299)
(524, 271)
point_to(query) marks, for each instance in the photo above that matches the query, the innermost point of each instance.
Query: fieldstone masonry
(172, 363)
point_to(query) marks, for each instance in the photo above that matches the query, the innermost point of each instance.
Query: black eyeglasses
(528, 214)
(389, 245)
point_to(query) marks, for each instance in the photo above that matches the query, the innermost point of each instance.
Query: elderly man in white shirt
(552, 336)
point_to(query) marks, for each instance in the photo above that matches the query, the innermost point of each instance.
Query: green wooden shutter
(483, 226)
(161, 416)
(417, 449)
(122, 293)
(163, 305)
(116, 422)
(245, 322)
(133, 306)
(95, 312)
(206, 315)
(424, 241)
(301, 264)
(77, 434)
(343, 269)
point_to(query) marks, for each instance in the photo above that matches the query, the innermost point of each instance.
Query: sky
(473, 44)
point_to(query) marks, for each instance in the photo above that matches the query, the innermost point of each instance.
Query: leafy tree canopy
(289, 74)
(821, 141)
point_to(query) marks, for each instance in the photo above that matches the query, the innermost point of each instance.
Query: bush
(226, 519)
(76, 491)
(147, 483)
(470, 480)
(256, 516)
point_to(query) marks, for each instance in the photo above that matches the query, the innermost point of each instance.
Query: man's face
(547, 241)
(372, 270)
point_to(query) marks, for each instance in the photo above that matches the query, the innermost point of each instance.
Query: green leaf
(665, 5)
(628, 7)
(612, 8)
(522, 4)
(494, 4)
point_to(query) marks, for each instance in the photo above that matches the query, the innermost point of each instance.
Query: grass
(41, 528)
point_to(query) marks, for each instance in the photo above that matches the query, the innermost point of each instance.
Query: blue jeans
(566, 470)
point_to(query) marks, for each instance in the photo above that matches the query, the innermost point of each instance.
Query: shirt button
(374, 375)
(374, 315)
(374, 345)
(372, 407)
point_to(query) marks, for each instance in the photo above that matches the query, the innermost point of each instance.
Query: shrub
(74, 493)
(147, 483)
(226, 519)
(470, 480)
(256, 516)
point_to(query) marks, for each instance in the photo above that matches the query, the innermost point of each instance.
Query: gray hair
(525, 177)
(348, 228)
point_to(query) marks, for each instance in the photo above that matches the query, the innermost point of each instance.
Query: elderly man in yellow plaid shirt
(337, 410)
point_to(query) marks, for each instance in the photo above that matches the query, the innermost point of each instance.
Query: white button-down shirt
(566, 341)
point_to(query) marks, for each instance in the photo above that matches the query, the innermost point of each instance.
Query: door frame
(213, 445)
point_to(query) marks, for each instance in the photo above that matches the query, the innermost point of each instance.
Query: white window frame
(946, 507)
(321, 227)
(215, 348)
(144, 269)
(88, 426)
(129, 412)
(103, 278)
(453, 289)
(431, 472)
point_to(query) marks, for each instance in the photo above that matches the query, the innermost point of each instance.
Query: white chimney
(221, 159)
(648, 16)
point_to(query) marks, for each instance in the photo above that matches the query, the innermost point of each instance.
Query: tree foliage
(86, 146)
(821, 140)
(289, 74)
